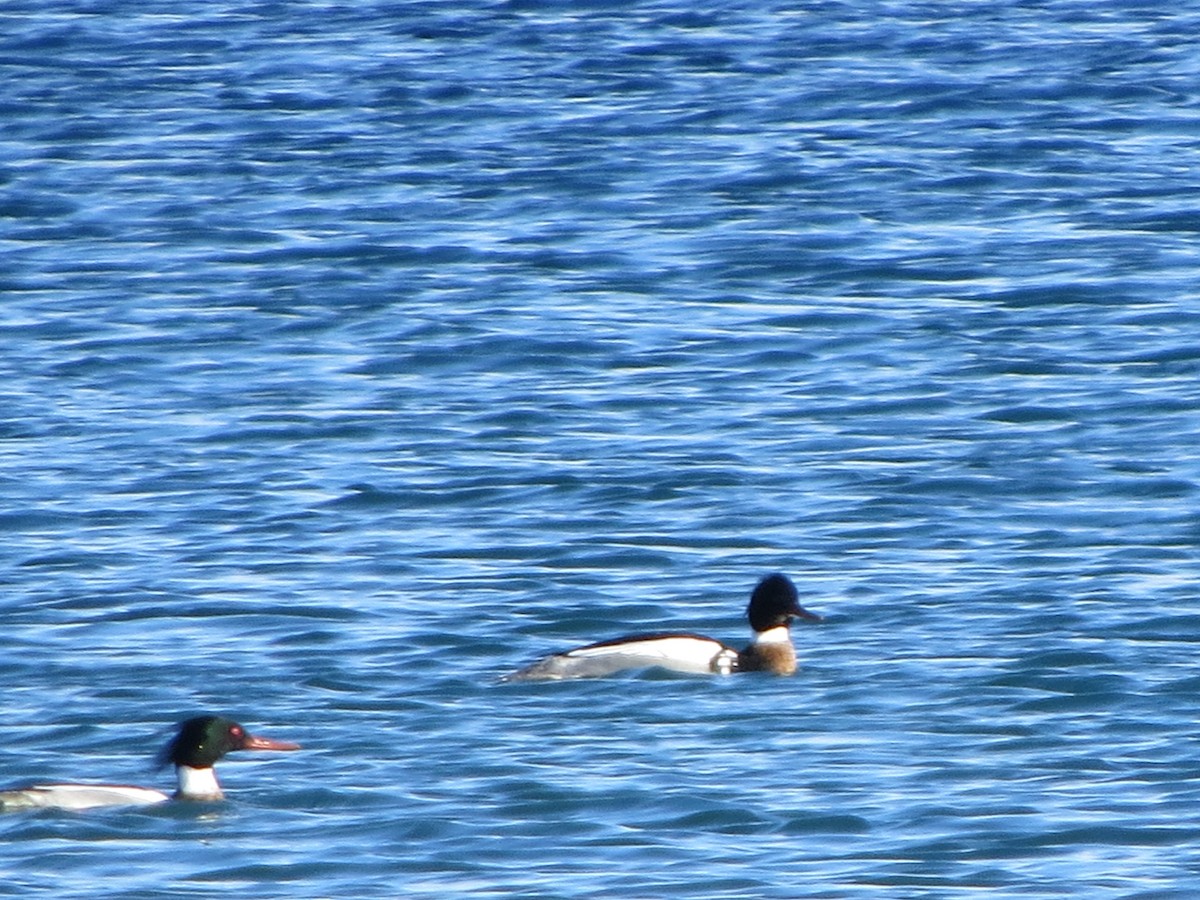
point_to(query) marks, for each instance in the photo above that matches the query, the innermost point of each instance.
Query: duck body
(78, 796)
(773, 605)
(691, 654)
(196, 747)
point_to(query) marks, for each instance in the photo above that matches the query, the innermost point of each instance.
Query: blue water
(352, 355)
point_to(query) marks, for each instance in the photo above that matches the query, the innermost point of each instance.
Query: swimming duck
(194, 750)
(773, 605)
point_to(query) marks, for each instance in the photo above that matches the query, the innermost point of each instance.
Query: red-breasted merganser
(773, 606)
(196, 747)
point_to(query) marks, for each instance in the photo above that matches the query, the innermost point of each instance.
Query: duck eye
(236, 731)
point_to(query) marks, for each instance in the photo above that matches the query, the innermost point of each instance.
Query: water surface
(354, 355)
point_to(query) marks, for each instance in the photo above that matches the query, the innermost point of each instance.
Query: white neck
(197, 784)
(777, 635)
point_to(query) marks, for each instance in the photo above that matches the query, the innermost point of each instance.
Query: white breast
(777, 635)
(198, 784)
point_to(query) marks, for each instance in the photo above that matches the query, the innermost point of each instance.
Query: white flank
(678, 653)
(79, 796)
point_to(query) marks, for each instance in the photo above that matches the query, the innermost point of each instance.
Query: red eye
(236, 731)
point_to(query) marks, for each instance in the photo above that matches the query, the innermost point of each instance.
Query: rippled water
(353, 355)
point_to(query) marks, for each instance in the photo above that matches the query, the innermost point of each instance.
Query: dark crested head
(775, 602)
(203, 740)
